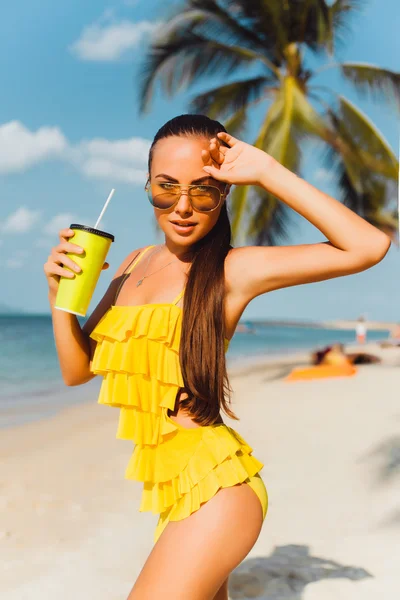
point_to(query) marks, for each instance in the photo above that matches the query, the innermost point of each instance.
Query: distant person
(395, 332)
(331, 355)
(361, 331)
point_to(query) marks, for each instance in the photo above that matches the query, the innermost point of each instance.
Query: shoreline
(338, 323)
(26, 412)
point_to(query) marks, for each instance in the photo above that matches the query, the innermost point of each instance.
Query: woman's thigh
(193, 557)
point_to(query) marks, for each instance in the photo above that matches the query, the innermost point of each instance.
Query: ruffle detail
(185, 468)
(138, 356)
(158, 322)
(147, 428)
(137, 353)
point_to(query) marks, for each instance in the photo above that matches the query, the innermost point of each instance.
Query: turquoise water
(31, 385)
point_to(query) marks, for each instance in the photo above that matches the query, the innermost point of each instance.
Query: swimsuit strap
(179, 296)
(129, 269)
(134, 263)
(137, 259)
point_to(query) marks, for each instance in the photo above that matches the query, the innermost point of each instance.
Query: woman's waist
(185, 420)
(192, 450)
(181, 415)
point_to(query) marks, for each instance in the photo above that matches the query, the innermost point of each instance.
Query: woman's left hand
(240, 164)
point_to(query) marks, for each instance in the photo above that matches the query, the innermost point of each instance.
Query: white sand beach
(70, 525)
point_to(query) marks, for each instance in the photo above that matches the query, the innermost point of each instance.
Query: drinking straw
(104, 207)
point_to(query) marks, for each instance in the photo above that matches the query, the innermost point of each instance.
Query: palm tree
(263, 50)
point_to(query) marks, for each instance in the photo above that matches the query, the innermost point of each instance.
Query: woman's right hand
(53, 268)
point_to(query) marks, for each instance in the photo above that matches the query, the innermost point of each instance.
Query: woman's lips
(183, 228)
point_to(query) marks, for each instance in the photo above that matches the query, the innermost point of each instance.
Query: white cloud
(21, 221)
(60, 221)
(24, 220)
(113, 160)
(130, 150)
(20, 148)
(110, 41)
(14, 263)
(63, 221)
(106, 169)
(119, 160)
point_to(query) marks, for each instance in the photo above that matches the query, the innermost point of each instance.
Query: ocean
(31, 386)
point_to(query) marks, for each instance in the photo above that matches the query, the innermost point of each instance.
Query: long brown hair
(202, 346)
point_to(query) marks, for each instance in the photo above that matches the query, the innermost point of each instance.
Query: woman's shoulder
(233, 264)
(128, 260)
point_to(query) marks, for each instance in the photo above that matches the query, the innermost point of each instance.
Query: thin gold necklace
(147, 264)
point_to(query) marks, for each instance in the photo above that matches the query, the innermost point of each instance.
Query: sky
(70, 130)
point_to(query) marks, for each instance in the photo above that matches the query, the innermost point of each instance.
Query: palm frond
(258, 217)
(236, 124)
(282, 128)
(239, 199)
(310, 23)
(178, 62)
(366, 139)
(367, 193)
(348, 177)
(241, 196)
(341, 13)
(388, 222)
(291, 21)
(279, 136)
(223, 100)
(380, 84)
(270, 220)
(264, 18)
(219, 21)
(310, 120)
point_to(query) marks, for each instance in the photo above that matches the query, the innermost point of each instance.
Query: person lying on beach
(336, 355)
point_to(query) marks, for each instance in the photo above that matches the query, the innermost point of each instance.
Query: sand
(70, 525)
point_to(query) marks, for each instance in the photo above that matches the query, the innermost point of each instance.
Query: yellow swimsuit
(137, 353)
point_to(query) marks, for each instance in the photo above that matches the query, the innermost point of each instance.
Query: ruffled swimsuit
(137, 353)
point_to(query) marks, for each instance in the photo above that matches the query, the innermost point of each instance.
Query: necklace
(147, 264)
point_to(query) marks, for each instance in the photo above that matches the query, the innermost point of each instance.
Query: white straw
(104, 208)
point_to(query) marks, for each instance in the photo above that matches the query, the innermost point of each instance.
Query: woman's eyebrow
(173, 180)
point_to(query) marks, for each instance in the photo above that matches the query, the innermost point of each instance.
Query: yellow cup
(74, 295)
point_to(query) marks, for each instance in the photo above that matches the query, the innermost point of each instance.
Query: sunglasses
(203, 198)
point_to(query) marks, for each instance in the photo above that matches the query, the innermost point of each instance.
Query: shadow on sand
(285, 573)
(387, 456)
(386, 470)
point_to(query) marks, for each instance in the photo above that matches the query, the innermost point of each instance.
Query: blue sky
(70, 130)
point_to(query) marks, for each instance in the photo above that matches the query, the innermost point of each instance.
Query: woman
(163, 358)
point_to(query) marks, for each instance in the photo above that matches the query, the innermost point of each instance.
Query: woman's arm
(353, 244)
(75, 349)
